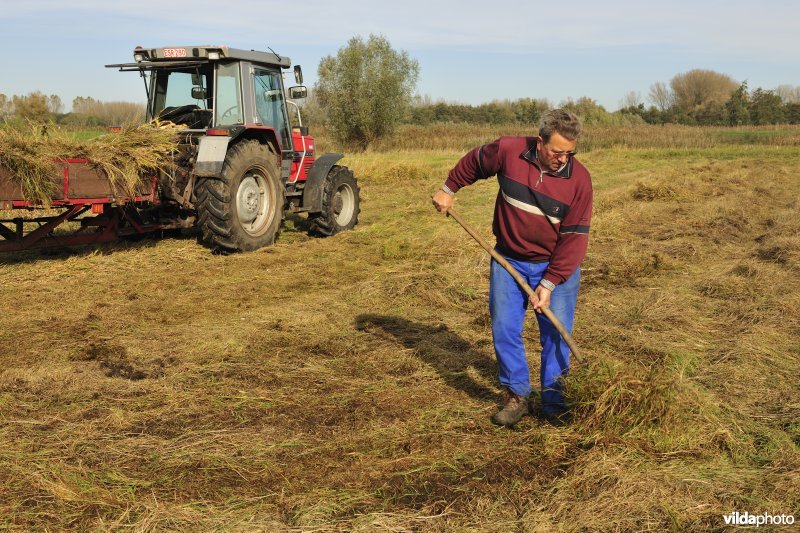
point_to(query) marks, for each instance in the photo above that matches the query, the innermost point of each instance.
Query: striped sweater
(538, 216)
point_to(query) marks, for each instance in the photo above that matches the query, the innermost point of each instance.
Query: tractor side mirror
(298, 75)
(298, 92)
(198, 93)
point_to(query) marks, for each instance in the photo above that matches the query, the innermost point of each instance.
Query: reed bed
(462, 137)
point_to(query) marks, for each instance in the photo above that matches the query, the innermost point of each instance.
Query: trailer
(83, 209)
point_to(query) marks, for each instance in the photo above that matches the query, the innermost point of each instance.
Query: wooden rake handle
(521, 281)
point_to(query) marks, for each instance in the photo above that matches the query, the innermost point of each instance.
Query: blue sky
(469, 51)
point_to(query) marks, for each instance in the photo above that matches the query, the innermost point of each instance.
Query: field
(347, 383)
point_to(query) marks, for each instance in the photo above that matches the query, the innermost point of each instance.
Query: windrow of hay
(32, 155)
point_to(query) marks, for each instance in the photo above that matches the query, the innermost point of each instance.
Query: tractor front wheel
(340, 203)
(242, 209)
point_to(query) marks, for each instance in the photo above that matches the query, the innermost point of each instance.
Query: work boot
(514, 408)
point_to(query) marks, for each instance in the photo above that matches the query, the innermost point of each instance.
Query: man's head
(558, 136)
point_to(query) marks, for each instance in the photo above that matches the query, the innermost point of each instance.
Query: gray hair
(559, 121)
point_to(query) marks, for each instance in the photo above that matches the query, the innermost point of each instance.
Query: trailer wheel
(340, 203)
(242, 209)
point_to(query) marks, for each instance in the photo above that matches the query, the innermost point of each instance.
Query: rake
(522, 283)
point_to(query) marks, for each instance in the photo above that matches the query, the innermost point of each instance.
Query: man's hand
(442, 201)
(544, 298)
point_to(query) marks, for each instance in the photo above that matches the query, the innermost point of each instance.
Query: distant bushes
(521, 111)
(86, 111)
(743, 107)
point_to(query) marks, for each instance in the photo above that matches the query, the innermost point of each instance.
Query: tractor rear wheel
(340, 203)
(242, 209)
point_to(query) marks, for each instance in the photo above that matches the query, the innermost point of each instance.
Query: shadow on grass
(297, 222)
(439, 347)
(55, 251)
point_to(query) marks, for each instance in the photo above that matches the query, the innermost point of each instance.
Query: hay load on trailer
(40, 170)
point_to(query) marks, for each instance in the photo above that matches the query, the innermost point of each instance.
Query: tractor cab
(216, 87)
(241, 165)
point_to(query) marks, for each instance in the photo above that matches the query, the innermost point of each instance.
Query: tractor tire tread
(324, 224)
(218, 220)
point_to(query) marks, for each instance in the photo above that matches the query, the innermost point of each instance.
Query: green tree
(529, 110)
(710, 114)
(498, 113)
(366, 89)
(737, 107)
(766, 107)
(588, 110)
(793, 113)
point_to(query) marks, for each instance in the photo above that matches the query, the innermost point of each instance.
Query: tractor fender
(315, 184)
(211, 156)
(213, 149)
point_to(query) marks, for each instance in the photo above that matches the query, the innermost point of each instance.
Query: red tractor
(239, 169)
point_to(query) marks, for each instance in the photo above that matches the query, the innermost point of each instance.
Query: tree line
(697, 97)
(367, 89)
(708, 98)
(367, 77)
(86, 111)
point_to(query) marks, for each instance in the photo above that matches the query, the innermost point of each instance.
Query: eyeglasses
(559, 153)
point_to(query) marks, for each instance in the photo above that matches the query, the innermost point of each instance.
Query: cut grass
(346, 383)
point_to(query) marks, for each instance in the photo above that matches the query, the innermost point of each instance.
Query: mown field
(347, 383)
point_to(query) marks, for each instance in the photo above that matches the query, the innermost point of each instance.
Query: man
(541, 222)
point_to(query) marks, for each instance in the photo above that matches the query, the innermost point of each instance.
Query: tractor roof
(177, 55)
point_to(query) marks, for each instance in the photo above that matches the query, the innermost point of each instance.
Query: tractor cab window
(228, 110)
(270, 104)
(182, 96)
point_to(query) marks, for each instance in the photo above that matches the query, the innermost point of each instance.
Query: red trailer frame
(79, 189)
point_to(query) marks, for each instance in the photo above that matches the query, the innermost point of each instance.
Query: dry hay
(658, 191)
(31, 155)
(357, 394)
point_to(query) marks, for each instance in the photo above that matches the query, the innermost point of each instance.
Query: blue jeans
(507, 306)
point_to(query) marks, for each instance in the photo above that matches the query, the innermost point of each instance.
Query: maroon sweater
(538, 216)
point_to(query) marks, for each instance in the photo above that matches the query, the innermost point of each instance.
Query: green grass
(347, 383)
(85, 135)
